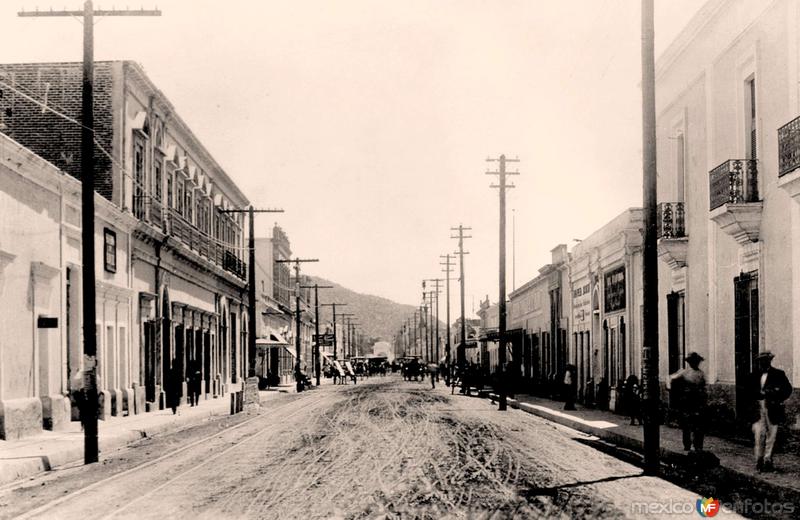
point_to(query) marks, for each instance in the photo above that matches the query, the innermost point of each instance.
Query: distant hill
(378, 317)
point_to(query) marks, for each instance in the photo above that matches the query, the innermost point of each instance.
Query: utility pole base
(251, 399)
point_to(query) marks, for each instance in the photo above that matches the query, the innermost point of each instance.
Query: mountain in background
(378, 317)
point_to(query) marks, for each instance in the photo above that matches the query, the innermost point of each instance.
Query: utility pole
(89, 415)
(317, 360)
(416, 326)
(502, 186)
(448, 268)
(461, 353)
(335, 339)
(650, 388)
(345, 346)
(296, 262)
(423, 316)
(437, 291)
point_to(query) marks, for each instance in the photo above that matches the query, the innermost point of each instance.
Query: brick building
(186, 267)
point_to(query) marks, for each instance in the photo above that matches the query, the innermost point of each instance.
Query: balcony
(733, 199)
(673, 243)
(789, 158)
(203, 245)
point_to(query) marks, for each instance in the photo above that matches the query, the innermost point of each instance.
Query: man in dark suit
(770, 388)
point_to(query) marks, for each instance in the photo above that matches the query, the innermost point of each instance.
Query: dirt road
(380, 449)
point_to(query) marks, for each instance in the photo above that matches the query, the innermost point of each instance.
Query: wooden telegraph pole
(650, 255)
(90, 394)
(436, 292)
(448, 268)
(335, 339)
(317, 359)
(296, 262)
(460, 352)
(502, 186)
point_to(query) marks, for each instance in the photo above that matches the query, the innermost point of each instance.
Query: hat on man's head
(694, 356)
(765, 355)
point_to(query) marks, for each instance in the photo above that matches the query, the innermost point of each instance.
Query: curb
(13, 470)
(630, 450)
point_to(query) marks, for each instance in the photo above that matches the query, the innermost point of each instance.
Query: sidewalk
(736, 461)
(32, 455)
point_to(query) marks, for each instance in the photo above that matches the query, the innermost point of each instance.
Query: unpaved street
(381, 449)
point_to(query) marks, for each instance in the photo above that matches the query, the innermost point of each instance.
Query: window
(751, 118)
(169, 190)
(188, 204)
(680, 165)
(179, 195)
(110, 250)
(157, 180)
(139, 189)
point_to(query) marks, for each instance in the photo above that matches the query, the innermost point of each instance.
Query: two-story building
(728, 100)
(186, 269)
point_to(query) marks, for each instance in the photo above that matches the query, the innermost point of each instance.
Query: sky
(370, 122)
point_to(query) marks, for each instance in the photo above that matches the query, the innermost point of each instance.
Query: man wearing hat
(770, 388)
(688, 396)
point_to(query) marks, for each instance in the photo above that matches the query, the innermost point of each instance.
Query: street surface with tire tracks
(383, 448)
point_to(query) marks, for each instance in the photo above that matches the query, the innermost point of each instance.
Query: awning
(271, 340)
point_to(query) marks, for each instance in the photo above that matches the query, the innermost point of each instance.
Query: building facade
(727, 105)
(537, 325)
(605, 295)
(40, 286)
(187, 274)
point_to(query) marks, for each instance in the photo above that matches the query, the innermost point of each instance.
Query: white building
(40, 287)
(729, 282)
(605, 273)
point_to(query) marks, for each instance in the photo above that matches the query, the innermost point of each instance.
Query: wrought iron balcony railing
(234, 265)
(671, 220)
(734, 181)
(204, 245)
(789, 147)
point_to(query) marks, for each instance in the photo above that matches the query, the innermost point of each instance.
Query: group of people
(173, 386)
(768, 388)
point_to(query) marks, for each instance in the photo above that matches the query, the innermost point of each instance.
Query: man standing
(770, 388)
(688, 396)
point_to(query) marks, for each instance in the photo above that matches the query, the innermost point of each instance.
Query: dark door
(746, 335)
(676, 331)
(150, 367)
(180, 349)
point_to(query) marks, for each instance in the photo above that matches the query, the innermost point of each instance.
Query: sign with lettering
(325, 340)
(615, 289)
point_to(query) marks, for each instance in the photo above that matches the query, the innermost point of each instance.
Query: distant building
(605, 282)
(536, 324)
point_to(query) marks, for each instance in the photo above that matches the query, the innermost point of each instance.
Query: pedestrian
(633, 400)
(602, 394)
(433, 369)
(570, 387)
(688, 390)
(172, 389)
(194, 385)
(770, 388)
